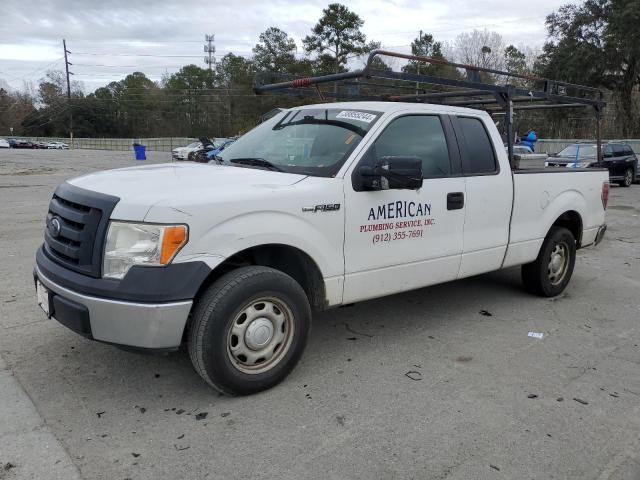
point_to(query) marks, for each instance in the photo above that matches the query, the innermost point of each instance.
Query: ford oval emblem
(55, 227)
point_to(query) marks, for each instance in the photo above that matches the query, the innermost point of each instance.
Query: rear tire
(628, 178)
(549, 274)
(249, 330)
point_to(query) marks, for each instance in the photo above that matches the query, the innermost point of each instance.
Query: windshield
(308, 141)
(585, 151)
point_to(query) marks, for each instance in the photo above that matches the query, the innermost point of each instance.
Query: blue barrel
(140, 151)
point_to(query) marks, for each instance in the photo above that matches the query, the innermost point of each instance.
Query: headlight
(146, 244)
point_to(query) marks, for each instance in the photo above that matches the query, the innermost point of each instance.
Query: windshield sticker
(360, 116)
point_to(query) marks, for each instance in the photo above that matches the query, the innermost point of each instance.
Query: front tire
(249, 329)
(549, 274)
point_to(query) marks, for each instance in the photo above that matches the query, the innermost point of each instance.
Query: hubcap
(260, 335)
(558, 263)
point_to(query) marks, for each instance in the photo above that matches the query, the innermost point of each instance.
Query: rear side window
(618, 151)
(481, 158)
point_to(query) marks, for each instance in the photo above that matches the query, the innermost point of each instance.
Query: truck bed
(541, 196)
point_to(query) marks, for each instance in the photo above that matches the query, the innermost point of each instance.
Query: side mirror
(392, 173)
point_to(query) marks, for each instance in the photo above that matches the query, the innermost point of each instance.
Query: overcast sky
(111, 38)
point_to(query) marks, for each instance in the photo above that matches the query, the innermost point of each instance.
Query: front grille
(76, 226)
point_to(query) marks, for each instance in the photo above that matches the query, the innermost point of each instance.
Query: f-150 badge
(327, 207)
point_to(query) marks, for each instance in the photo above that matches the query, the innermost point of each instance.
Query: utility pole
(210, 49)
(66, 66)
(210, 60)
(420, 51)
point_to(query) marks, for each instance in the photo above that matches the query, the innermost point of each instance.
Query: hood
(139, 188)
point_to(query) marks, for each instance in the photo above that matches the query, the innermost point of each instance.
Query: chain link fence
(165, 144)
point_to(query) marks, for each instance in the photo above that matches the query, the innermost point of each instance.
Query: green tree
(275, 51)
(335, 37)
(515, 61)
(234, 71)
(424, 45)
(234, 74)
(597, 43)
(189, 93)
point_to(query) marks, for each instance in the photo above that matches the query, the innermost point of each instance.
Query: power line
(134, 55)
(11, 79)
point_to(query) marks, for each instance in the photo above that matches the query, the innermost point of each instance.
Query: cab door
(397, 240)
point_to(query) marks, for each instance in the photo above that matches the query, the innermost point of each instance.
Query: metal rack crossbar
(512, 94)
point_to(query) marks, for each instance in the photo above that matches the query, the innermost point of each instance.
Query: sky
(109, 39)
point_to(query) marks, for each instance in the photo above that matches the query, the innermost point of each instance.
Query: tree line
(595, 43)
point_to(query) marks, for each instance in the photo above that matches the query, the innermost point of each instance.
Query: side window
(480, 155)
(618, 151)
(607, 151)
(628, 151)
(420, 136)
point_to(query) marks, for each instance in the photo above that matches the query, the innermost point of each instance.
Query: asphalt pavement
(442, 382)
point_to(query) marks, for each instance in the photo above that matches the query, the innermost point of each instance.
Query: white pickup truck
(317, 207)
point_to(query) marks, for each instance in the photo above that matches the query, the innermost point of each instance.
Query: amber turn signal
(173, 239)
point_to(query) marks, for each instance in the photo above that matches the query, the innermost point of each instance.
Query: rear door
(608, 159)
(620, 160)
(630, 160)
(489, 194)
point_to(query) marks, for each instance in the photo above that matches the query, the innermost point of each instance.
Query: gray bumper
(142, 325)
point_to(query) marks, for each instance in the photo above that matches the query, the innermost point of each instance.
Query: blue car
(211, 154)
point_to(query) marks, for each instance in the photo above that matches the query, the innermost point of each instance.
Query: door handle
(455, 200)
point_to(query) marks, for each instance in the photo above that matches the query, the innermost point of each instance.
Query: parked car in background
(212, 154)
(618, 158)
(182, 153)
(58, 145)
(23, 144)
(199, 155)
(4, 143)
(209, 151)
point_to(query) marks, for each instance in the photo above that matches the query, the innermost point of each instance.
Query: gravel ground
(418, 385)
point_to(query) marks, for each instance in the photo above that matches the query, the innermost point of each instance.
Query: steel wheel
(558, 263)
(260, 335)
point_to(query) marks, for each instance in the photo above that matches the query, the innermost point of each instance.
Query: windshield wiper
(256, 162)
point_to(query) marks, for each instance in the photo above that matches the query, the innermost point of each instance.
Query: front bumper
(140, 325)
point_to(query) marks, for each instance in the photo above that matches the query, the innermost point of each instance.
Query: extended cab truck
(318, 206)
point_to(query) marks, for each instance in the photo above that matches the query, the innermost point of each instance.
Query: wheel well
(572, 221)
(290, 260)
